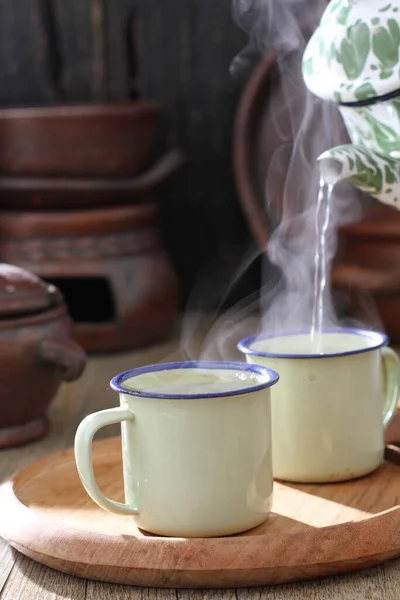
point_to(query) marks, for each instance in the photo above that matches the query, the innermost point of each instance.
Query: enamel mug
(332, 405)
(196, 447)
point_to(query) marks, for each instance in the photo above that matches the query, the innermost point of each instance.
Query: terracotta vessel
(37, 353)
(368, 262)
(46, 193)
(110, 264)
(105, 140)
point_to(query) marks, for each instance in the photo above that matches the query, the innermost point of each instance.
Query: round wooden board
(313, 531)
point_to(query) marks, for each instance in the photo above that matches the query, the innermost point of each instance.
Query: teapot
(352, 59)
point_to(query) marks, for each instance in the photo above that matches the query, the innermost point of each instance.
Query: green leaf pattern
(366, 90)
(385, 48)
(394, 31)
(308, 66)
(360, 43)
(375, 127)
(386, 139)
(354, 50)
(355, 55)
(385, 8)
(343, 14)
(372, 173)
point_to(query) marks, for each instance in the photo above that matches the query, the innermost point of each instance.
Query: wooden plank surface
(26, 59)
(185, 48)
(121, 48)
(296, 544)
(22, 579)
(7, 560)
(79, 33)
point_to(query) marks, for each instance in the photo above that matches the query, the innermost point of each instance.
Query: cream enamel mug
(196, 444)
(330, 409)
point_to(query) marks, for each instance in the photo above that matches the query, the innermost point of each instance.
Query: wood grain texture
(78, 35)
(26, 68)
(27, 572)
(313, 530)
(6, 562)
(19, 575)
(121, 48)
(185, 48)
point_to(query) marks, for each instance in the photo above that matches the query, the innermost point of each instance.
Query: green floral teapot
(353, 60)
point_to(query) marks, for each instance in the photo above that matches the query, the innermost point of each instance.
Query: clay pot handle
(159, 172)
(66, 353)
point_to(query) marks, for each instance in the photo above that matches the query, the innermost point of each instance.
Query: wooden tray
(314, 530)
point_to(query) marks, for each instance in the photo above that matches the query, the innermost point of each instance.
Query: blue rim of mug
(381, 340)
(271, 377)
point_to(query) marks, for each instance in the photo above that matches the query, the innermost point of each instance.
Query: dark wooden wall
(174, 51)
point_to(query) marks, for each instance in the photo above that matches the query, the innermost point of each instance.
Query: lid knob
(22, 292)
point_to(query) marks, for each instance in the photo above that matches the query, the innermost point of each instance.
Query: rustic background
(176, 52)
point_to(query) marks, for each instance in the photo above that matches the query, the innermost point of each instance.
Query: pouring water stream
(322, 217)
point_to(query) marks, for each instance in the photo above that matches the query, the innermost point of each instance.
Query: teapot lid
(23, 293)
(354, 54)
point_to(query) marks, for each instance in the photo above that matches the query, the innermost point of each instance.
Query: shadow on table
(371, 494)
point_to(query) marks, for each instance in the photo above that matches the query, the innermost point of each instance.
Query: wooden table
(22, 579)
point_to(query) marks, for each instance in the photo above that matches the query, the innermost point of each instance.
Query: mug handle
(391, 369)
(84, 460)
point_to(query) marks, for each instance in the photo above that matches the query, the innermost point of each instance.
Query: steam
(305, 127)
(315, 126)
(285, 26)
(207, 335)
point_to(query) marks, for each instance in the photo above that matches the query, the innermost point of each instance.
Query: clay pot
(46, 193)
(368, 262)
(37, 353)
(110, 264)
(110, 140)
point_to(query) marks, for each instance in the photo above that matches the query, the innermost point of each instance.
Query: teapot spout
(334, 167)
(373, 173)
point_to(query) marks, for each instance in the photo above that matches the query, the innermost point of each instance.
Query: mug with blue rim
(333, 401)
(196, 447)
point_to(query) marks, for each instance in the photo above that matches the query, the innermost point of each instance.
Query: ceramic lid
(354, 54)
(22, 292)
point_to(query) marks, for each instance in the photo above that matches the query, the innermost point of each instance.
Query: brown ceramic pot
(107, 257)
(368, 262)
(110, 140)
(49, 193)
(37, 353)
